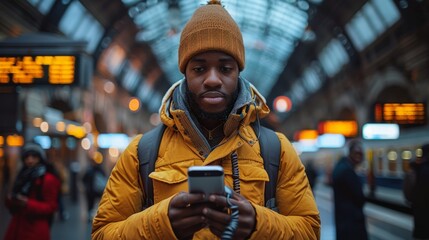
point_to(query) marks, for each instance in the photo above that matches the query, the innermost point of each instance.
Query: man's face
(212, 79)
(356, 154)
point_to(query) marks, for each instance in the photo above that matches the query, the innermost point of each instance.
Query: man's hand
(218, 221)
(186, 214)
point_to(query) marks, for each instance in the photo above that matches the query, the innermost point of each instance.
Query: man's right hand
(185, 214)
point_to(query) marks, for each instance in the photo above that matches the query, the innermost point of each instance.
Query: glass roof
(78, 23)
(370, 22)
(271, 29)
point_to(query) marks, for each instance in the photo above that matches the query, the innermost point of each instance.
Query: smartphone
(206, 179)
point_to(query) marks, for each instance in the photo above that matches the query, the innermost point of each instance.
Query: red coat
(32, 221)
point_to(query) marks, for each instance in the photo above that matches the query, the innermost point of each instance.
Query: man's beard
(203, 115)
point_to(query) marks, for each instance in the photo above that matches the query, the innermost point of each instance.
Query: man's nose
(213, 78)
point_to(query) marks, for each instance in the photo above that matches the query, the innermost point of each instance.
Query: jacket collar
(174, 112)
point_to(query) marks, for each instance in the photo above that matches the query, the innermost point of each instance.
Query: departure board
(38, 70)
(401, 113)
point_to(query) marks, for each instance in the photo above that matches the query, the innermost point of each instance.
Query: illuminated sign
(380, 131)
(15, 140)
(75, 131)
(400, 113)
(303, 146)
(44, 141)
(307, 134)
(282, 104)
(329, 140)
(346, 128)
(117, 140)
(36, 70)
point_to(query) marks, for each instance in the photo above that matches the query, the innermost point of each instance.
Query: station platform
(383, 223)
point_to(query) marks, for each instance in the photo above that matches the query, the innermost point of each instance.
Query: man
(312, 174)
(348, 195)
(94, 181)
(207, 117)
(420, 195)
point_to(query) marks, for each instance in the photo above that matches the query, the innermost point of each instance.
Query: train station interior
(82, 78)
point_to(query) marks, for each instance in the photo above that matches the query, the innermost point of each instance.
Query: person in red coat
(34, 197)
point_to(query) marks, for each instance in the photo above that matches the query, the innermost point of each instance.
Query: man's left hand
(219, 220)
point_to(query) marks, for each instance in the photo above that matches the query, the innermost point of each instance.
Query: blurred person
(349, 198)
(62, 212)
(409, 181)
(420, 195)
(34, 197)
(312, 174)
(208, 117)
(371, 180)
(94, 181)
(61, 173)
(75, 169)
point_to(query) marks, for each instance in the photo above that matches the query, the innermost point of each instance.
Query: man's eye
(198, 69)
(225, 69)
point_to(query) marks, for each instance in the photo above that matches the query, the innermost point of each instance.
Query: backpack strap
(270, 152)
(147, 153)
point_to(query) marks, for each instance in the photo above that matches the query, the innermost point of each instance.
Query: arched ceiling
(271, 31)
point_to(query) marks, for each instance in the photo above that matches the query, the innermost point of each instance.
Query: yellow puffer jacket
(120, 214)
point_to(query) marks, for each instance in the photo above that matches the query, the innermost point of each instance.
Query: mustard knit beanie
(211, 28)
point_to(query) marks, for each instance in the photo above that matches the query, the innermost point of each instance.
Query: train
(386, 162)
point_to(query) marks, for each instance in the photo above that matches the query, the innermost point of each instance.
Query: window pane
(130, 79)
(71, 18)
(364, 29)
(93, 36)
(33, 2)
(82, 28)
(45, 6)
(388, 11)
(339, 52)
(373, 18)
(130, 2)
(354, 36)
(311, 80)
(333, 57)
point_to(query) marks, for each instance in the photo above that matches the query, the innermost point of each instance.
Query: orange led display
(306, 135)
(400, 113)
(15, 140)
(346, 128)
(28, 70)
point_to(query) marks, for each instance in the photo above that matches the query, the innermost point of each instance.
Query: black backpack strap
(270, 152)
(147, 153)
